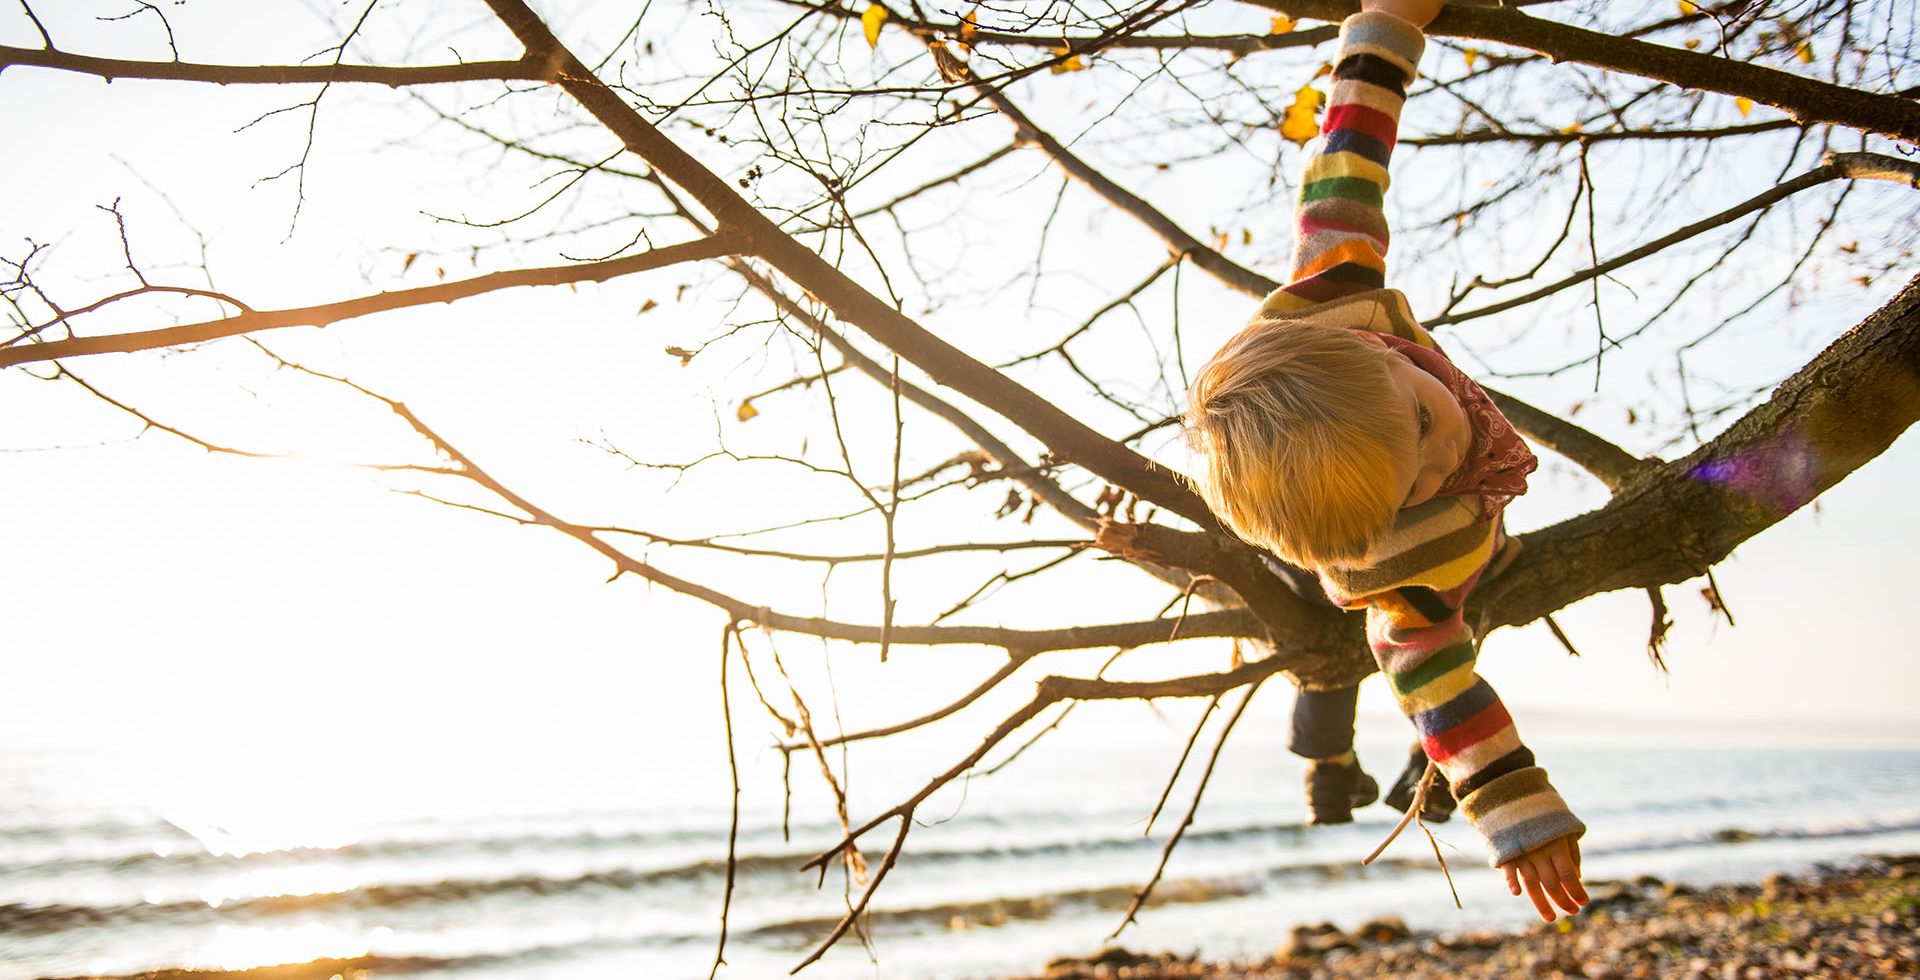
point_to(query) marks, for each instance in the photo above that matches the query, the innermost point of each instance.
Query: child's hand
(1552, 876)
(1419, 13)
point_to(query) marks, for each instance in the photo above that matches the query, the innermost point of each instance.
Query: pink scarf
(1497, 461)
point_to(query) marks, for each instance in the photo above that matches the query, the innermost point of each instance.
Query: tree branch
(1807, 100)
(1583, 448)
(1066, 437)
(110, 69)
(1845, 407)
(1853, 166)
(329, 313)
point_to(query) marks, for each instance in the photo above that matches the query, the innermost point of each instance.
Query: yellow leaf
(1472, 55)
(408, 264)
(1804, 52)
(1300, 123)
(1282, 25)
(1570, 129)
(1246, 236)
(952, 70)
(649, 306)
(870, 23)
(1692, 43)
(746, 411)
(1071, 63)
(1687, 8)
(1744, 104)
(969, 29)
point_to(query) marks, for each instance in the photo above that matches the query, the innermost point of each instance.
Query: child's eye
(1426, 421)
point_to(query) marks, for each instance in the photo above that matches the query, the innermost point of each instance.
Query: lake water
(112, 863)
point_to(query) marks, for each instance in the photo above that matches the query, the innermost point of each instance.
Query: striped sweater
(1414, 582)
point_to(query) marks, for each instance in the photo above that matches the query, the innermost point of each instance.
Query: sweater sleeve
(1342, 239)
(1427, 652)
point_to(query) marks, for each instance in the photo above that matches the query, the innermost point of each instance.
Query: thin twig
(1561, 635)
(727, 634)
(1181, 764)
(1412, 814)
(1140, 897)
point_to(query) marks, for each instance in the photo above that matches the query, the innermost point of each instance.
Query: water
(112, 864)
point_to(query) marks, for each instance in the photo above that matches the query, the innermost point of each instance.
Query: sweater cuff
(1378, 33)
(1519, 812)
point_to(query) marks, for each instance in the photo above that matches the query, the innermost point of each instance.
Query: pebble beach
(1857, 921)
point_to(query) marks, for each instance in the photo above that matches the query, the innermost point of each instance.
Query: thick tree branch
(329, 313)
(1179, 242)
(1844, 408)
(1067, 438)
(521, 69)
(1807, 100)
(1583, 448)
(1608, 463)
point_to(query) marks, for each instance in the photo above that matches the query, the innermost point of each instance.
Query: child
(1337, 435)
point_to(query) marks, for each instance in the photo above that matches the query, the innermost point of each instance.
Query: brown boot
(1336, 789)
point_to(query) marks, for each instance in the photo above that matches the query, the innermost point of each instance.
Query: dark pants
(1323, 722)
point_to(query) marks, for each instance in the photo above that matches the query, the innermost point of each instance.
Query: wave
(320, 969)
(22, 918)
(198, 859)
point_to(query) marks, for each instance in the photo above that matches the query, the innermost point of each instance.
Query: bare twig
(1173, 840)
(727, 634)
(328, 313)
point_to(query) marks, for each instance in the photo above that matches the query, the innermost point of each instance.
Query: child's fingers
(1513, 880)
(1568, 866)
(1538, 896)
(1554, 885)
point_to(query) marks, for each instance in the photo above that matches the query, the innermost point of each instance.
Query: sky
(163, 599)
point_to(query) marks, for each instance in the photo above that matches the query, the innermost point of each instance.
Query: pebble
(1862, 921)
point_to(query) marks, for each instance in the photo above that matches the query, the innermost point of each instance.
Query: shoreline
(1857, 920)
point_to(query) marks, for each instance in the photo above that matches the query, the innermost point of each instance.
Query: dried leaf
(951, 68)
(1632, 416)
(649, 305)
(1804, 52)
(1072, 62)
(1246, 236)
(1472, 55)
(746, 411)
(1693, 43)
(408, 263)
(1283, 25)
(1744, 104)
(969, 29)
(1010, 505)
(870, 22)
(1688, 9)
(1570, 128)
(1301, 122)
(685, 355)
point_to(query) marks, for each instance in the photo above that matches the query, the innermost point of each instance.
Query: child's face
(1440, 428)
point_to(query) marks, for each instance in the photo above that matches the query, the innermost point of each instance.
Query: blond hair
(1296, 425)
